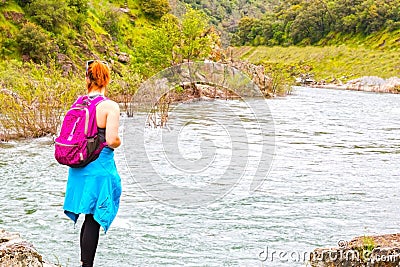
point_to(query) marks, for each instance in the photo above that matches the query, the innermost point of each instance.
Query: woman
(95, 190)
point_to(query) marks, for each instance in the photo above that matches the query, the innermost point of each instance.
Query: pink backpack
(78, 143)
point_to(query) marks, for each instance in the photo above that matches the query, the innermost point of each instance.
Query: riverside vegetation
(44, 45)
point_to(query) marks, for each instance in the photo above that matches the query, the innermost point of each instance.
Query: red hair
(99, 76)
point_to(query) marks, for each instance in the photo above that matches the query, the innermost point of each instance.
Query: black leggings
(89, 239)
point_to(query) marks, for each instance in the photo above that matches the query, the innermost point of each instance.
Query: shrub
(49, 13)
(6, 47)
(33, 104)
(155, 8)
(111, 22)
(81, 6)
(23, 2)
(34, 42)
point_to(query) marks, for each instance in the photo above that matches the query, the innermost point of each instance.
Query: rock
(364, 251)
(26, 58)
(374, 84)
(123, 57)
(366, 83)
(17, 252)
(125, 10)
(100, 48)
(257, 75)
(14, 16)
(66, 64)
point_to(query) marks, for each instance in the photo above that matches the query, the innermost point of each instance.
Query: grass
(343, 62)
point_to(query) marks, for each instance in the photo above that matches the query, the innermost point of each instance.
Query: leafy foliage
(225, 14)
(34, 42)
(81, 6)
(50, 14)
(195, 43)
(155, 8)
(175, 41)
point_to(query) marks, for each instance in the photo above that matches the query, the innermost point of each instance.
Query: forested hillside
(321, 22)
(138, 35)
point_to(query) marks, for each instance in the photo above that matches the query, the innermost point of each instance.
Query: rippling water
(334, 176)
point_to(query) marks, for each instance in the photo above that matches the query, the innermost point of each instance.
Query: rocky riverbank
(366, 84)
(363, 251)
(17, 252)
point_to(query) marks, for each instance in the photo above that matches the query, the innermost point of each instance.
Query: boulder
(17, 252)
(123, 57)
(363, 251)
(66, 64)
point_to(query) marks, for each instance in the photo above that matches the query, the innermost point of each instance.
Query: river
(334, 176)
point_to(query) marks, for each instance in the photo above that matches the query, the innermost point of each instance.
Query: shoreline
(371, 89)
(371, 84)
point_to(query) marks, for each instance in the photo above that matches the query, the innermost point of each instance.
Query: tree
(197, 38)
(155, 51)
(174, 41)
(245, 30)
(312, 23)
(345, 15)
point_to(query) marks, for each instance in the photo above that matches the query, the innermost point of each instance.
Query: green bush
(81, 6)
(23, 2)
(155, 8)
(50, 14)
(6, 47)
(34, 42)
(110, 22)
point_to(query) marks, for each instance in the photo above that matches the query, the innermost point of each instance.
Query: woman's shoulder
(109, 104)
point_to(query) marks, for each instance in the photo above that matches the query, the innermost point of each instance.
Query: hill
(135, 35)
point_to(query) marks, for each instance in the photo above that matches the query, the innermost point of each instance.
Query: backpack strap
(97, 100)
(85, 100)
(78, 101)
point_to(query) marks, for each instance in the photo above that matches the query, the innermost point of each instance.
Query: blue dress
(94, 189)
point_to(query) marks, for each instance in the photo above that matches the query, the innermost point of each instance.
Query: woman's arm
(112, 124)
